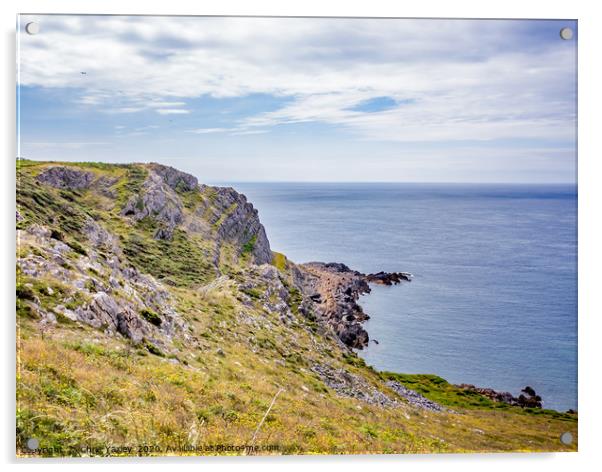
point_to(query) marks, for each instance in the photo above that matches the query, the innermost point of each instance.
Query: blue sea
(493, 301)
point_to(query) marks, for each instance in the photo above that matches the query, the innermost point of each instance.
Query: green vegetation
(151, 316)
(279, 261)
(248, 247)
(439, 390)
(178, 262)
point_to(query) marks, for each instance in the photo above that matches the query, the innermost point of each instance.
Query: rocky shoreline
(335, 290)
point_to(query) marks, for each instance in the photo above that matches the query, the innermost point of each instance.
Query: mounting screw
(32, 28)
(566, 33)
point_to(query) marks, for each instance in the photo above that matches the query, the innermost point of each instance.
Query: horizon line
(216, 182)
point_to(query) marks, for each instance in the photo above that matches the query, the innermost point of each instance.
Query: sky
(303, 99)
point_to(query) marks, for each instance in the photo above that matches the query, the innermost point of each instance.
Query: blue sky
(291, 99)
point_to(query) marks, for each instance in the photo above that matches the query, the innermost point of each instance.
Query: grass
(439, 390)
(72, 392)
(279, 261)
(181, 261)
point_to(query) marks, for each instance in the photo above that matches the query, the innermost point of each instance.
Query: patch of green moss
(248, 247)
(354, 360)
(151, 316)
(130, 185)
(253, 293)
(294, 299)
(154, 350)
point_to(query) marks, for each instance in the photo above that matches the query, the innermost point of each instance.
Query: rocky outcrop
(235, 221)
(389, 278)
(157, 201)
(99, 289)
(350, 385)
(176, 179)
(335, 289)
(66, 177)
(527, 398)
(224, 222)
(413, 397)
(221, 214)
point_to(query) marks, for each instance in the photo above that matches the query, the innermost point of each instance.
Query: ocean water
(493, 301)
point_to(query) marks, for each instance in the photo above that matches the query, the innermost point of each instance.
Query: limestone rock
(352, 385)
(175, 178)
(66, 177)
(158, 201)
(236, 221)
(413, 397)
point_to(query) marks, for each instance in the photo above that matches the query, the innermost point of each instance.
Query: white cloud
(165, 104)
(484, 80)
(172, 111)
(208, 130)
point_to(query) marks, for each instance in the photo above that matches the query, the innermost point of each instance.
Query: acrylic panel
(277, 235)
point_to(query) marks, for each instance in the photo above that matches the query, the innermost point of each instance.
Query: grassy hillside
(216, 340)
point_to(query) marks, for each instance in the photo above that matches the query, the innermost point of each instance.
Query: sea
(493, 300)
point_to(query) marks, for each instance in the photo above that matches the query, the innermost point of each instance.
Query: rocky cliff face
(171, 208)
(159, 227)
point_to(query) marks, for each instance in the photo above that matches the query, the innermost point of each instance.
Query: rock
(99, 237)
(352, 385)
(39, 231)
(66, 177)
(528, 391)
(333, 289)
(389, 278)
(130, 325)
(176, 179)
(235, 221)
(527, 399)
(413, 397)
(159, 202)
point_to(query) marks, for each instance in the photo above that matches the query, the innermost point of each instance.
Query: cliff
(151, 306)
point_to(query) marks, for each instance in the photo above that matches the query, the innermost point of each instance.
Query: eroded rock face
(176, 179)
(236, 221)
(104, 292)
(66, 177)
(158, 201)
(335, 290)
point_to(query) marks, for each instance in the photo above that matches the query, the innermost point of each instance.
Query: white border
(590, 234)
